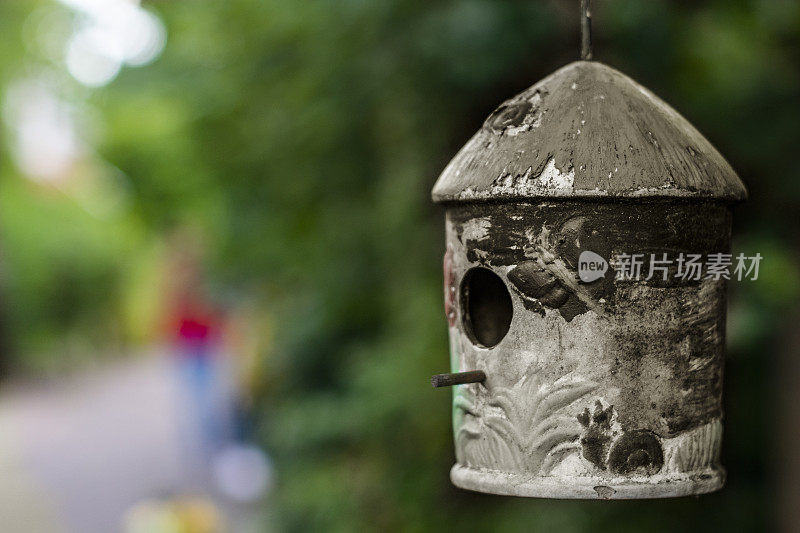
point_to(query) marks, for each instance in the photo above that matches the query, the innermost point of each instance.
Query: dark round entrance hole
(487, 306)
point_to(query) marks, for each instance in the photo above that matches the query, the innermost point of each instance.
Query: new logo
(591, 266)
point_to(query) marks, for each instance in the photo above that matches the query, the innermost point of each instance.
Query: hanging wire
(586, 31)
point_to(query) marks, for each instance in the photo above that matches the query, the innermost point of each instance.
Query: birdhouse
(586, 222)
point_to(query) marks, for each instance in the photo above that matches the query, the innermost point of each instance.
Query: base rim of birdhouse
(587, 488)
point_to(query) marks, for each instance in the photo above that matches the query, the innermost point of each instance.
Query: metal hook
(586, 30)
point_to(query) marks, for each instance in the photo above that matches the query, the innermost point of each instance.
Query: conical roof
(587, 131)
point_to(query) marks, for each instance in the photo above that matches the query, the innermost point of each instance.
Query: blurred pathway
(24, 506)
(74, 456)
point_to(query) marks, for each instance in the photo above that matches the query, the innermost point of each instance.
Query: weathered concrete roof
(587, 131)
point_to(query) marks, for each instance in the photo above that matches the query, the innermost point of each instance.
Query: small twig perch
(458, 378)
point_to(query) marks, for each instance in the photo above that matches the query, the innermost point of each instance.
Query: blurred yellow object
(151, 516)
(194, 514)
(197, 515)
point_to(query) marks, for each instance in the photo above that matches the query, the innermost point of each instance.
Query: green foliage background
(304, 138)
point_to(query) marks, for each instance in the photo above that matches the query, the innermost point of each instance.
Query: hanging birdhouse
(586, 317)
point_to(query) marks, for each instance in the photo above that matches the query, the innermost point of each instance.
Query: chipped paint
(551, 177)
(605, 134)
(476, 229)
(511, 185)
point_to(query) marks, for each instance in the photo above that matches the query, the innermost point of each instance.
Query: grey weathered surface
(587, 130)
(607, 389)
